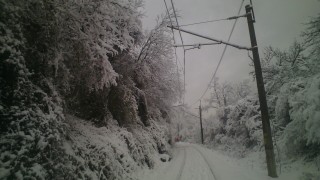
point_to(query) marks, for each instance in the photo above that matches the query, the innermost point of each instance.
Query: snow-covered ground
(195, 162)
(288, 169)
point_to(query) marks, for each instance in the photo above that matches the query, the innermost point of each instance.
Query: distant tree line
(292, 81)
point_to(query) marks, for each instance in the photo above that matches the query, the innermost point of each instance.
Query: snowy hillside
(90, 59)
(112, 152)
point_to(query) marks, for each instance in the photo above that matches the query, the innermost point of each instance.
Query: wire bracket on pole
(251, 13)
(215, 20)
(236, 17)
(212, 39)
(253, 16)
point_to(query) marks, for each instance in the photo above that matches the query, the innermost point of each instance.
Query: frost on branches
(31, 120)
(239, 129)
(94, 32)
(292, 83)
(81, 57)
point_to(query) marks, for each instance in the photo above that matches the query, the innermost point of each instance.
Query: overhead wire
(214, 39)
(215, 20)
(222, 55)
(191, 114)
(198, 45)
(184, 53)
(174, 39)
(202, 22)
(175, 48)
(168, 13)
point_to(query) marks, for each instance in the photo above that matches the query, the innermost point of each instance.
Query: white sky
(279, 23)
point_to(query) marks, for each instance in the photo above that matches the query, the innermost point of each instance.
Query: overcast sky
(278, 23)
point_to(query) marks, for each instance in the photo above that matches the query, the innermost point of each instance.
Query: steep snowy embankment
(112, 152)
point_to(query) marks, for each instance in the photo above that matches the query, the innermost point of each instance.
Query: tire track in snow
(205, 159)
(183, 164)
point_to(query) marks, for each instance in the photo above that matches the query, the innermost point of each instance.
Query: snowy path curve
(188, 163)
(205, 159)
(183, 164)
(194, 162)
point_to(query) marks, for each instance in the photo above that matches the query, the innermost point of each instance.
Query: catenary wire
(215, 20)
(222, 55)
(191, 114)
(174, 39)
(175, 48)
(184, 54)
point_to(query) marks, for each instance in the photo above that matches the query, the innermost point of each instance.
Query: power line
(196, 45)
(215, 20)
(184, 54)
(174, 39)
(175, 49)
(202, 22)
(222, 55)
(175, 15)
(190, 114)
(214, 39)
(165, 3)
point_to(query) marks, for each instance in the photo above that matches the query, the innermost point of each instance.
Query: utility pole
(201, 129)
(260, 85)
(267, 137)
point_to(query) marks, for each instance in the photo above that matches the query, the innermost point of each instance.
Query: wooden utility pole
(267, 137)
(201, 129)
(260, 85)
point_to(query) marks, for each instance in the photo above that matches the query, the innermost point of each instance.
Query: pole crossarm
(236, 17)
(212, 39)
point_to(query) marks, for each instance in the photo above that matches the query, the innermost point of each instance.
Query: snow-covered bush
(31, 119)
(112, 152)
(302, 132)
(240, 127)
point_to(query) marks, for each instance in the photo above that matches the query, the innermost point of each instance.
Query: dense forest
(84, 91)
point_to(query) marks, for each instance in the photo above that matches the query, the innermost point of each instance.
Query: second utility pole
(201, 129)
(268, 145)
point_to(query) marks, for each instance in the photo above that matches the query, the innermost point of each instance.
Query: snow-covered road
(194, 162)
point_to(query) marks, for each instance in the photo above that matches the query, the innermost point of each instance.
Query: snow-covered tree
(149, 72)
(292, 79)
(31, 117)
(224, 94)
(156, 72)
(67, 57)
